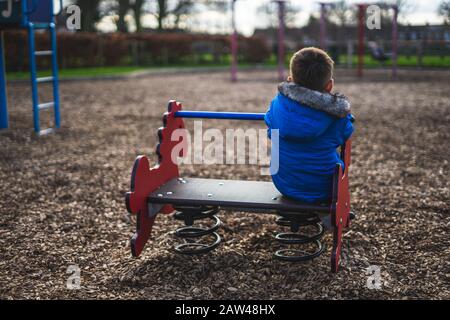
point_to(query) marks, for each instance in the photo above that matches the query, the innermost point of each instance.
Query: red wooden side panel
(340, 216)
(144, 180)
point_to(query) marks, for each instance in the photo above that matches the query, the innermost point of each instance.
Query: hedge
(143, 49)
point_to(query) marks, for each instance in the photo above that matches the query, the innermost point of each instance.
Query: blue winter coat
(308, 142)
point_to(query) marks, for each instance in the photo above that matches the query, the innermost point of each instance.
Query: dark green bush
(145, 49)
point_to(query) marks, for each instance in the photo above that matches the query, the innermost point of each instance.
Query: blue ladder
(33, 54)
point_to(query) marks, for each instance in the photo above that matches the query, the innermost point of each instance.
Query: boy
(312, 123)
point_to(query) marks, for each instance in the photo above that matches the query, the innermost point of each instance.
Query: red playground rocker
(161, 190)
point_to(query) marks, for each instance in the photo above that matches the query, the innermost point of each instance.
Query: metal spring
(296, 222)
(191, 234)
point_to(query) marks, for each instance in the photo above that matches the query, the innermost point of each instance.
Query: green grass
(113, 71)
(403, 61)
(110, 71)
(77, 72)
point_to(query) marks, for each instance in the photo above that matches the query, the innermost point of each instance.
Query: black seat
(250, 196)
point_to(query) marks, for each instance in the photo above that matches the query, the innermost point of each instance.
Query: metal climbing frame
(31, 15)
(161, 190)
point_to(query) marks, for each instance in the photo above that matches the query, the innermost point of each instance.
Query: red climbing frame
(145, 180)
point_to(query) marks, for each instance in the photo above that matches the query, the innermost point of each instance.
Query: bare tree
(405, 7)
(269, 12)
(117, 10)
(122, 10)
(444, 10)
(341, 13)
(177, 10)
(138, 8)
(90, 14)
(162, 10)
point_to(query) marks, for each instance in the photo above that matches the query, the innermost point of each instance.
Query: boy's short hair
(312, 68)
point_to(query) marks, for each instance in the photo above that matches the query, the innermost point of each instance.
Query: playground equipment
(376, 51)
(281, 41)
(323, 23)
(161, 190)
(31, 15)
(281, 37)
(377, 54)
(234, 43)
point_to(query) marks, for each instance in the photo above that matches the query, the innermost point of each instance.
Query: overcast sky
(247, 19)
(420, 12)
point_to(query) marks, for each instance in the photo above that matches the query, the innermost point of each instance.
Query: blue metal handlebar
(220, 115)
(226, 115)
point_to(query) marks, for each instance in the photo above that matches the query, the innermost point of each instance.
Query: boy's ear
(289, 79)
(329, 86)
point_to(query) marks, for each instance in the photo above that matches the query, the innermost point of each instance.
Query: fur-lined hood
(334, 104)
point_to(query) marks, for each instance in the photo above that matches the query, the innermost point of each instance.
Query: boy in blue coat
(312, 124)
